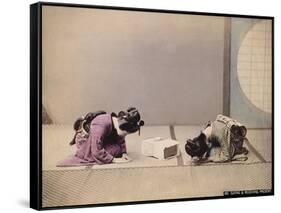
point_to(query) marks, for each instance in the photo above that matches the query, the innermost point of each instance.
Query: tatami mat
(57, 137)
(63, 186)
(56, 148)
(149, 178)
(261, 140)
(184, 132)
(80, 187)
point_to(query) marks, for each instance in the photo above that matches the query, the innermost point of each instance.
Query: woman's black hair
(130, 120)
(76, 127)
(197, 146)
(86, 122)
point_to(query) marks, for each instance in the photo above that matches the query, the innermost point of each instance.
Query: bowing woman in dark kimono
(104, 142)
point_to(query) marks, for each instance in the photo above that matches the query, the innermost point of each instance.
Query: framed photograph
(134, 105)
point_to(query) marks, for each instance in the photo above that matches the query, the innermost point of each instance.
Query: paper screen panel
(255, 65)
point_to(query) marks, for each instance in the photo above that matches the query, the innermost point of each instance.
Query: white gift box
(160, 148)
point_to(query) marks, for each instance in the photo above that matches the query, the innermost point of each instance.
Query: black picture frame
(36, 104)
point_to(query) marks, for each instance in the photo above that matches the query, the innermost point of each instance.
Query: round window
(255, 66)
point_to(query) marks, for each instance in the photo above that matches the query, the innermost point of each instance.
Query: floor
(150, 178)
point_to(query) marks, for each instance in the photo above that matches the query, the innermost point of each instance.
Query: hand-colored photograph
(152, 106)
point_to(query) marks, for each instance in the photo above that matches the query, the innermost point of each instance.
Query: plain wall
(170, 66)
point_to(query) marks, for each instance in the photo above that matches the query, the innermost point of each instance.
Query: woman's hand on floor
(127, 157)
(120, 160)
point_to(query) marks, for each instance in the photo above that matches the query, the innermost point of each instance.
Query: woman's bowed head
(129, 122)
(100, 137)
(221, 141)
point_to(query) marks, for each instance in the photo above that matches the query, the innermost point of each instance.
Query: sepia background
(180, 71)
(164, 64)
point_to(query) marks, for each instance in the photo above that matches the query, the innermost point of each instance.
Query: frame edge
(35, 82)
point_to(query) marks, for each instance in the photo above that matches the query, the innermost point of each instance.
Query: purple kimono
(100, 146)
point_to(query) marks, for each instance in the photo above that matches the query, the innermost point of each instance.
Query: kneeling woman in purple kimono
(100, 137)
